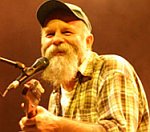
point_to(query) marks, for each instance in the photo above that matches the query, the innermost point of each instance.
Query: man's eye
(50, 34)
(67, 33)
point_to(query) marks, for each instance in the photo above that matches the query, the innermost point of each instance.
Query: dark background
(120, 27)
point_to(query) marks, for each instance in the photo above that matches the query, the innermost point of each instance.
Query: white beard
(61, 68)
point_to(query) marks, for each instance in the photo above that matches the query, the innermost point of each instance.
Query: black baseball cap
(49, 6)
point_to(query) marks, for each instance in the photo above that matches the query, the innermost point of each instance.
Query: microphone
(38, 65)
(14, 63)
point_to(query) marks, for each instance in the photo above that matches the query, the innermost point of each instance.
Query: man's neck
(68, 86)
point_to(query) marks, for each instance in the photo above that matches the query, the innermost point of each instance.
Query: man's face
(65, 44)
(58, 33)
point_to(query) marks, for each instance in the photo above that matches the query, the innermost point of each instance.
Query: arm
(45, 121)
(119, 103)
(39, 119)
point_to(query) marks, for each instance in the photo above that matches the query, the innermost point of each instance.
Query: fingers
(26, 121)
(44, 120)
(27, 124)
(33, 83)
(41, 109)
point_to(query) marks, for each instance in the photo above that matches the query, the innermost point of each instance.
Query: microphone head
(40, 64)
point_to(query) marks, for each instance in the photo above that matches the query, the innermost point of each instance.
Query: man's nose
(57, 39)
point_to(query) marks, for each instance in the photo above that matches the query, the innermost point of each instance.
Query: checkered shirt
(107, 92)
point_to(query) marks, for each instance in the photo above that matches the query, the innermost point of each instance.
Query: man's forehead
(57, 23)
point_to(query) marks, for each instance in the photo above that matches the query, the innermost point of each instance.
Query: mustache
(62, 48)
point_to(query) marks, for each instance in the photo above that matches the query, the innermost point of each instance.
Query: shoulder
(113, 59)
(107, 64)
(114, 63)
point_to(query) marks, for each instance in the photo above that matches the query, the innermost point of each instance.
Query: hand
(44, 121)
(32, 93)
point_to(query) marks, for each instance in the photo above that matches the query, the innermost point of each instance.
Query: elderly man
(91, 92)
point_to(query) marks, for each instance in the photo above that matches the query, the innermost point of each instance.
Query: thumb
(41, 109)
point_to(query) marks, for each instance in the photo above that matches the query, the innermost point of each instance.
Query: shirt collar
(87, 67)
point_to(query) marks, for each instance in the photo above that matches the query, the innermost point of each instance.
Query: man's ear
(89, 41)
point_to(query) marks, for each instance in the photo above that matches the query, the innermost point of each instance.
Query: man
(91, 92)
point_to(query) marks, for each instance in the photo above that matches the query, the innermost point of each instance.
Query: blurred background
(120, 27)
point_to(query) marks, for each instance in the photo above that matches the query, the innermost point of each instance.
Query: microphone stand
(17, 64)
(26, 72)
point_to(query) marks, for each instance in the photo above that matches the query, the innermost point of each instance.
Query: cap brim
(45, 9)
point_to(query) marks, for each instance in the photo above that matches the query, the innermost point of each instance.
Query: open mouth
(59, 53)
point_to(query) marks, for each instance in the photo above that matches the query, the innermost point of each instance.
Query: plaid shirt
(107, 92)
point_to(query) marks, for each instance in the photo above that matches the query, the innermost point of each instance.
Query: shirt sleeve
(118, 103)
